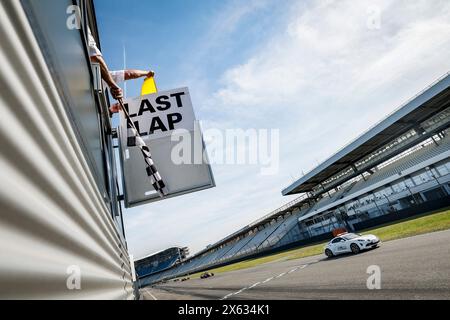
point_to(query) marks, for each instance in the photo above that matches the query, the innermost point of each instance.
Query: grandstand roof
(156, 253)
(424, 105)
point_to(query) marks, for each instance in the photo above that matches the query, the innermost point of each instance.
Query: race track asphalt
(411, 268)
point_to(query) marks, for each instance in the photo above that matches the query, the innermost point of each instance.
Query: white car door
(341, 245)
(332, 246)
(336, 245)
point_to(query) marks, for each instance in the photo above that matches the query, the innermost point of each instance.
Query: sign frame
(130, 203)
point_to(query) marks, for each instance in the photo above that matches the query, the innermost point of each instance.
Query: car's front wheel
(355, 248)
(329, 253)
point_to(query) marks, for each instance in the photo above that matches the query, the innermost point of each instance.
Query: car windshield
(350, 236)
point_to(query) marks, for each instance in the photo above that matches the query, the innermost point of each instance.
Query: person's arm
(116, 91)
(131, 74)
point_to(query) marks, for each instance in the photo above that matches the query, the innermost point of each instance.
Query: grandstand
(160, 261)
(398, 168)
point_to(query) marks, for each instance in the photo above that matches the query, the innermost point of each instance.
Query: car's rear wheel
(329, 253)
(355, 248)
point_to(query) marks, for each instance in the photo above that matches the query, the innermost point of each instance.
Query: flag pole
(136, 140)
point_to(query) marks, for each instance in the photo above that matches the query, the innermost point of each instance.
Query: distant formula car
(206, 275)
(350, 242)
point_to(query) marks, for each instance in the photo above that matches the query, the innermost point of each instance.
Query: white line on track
(293, 270)
(303, 266)
(154, 298)
(240, 291)
(227, 296)
(267, 280)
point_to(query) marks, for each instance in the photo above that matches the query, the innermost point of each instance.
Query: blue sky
(174, 37)
(320, 71)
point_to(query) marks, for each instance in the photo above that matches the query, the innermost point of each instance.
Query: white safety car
(350, 242)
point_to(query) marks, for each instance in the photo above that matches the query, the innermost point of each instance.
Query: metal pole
(412, 195)
(437, 180)
(376, 204)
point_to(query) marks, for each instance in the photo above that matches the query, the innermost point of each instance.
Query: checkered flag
(135, 139)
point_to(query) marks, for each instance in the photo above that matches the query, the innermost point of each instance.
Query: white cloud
(329, 68)
(322, 80)
(328, 49)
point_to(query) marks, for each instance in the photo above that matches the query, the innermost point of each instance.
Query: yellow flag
(149, 87)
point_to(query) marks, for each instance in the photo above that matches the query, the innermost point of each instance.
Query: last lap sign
(166, 121)
(158, 115)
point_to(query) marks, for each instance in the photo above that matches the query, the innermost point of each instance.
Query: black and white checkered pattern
(135, 139)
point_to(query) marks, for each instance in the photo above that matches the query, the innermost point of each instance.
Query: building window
(442, 169)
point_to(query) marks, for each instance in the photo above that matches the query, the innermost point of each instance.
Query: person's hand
(116, 92)
(115, 108)
(150, 74)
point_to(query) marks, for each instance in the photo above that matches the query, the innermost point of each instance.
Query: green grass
(399, 229)
(413, 226)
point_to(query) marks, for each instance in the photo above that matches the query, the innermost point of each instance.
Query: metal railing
(281, 209)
